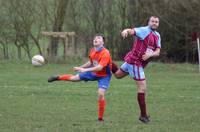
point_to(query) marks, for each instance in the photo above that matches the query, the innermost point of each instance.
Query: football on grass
(37, 60)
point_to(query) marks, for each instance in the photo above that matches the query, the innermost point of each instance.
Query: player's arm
(87, 64)
(151, 54)
(156, 52)
(90, 69)
(102, 63)
(94, 69)
(127, 32)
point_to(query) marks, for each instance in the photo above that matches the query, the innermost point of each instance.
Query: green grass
(29, 104)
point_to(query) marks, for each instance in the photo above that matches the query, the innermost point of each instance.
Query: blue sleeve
(142, 32)
(159, 40)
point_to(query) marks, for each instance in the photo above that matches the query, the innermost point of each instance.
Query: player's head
(153, 22)
(98, 40)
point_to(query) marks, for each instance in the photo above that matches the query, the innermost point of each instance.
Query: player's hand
(124, 33)
(79, 69)
(76, 68)
(146, 56)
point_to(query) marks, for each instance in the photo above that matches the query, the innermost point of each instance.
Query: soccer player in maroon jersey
(147, 44)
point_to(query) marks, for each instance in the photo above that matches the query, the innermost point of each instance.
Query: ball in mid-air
(37, 60)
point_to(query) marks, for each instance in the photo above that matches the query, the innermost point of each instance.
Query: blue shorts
(103, 82)
(135, 71)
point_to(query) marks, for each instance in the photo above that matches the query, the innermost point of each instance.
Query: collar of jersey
(153, 31)
(150, 28)
(99, 49)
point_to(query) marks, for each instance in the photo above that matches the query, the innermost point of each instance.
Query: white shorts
(136, 72)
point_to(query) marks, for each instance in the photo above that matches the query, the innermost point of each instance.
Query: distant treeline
(22, 21)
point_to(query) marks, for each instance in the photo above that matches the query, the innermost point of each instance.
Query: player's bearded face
(98, 41)
(153, 23)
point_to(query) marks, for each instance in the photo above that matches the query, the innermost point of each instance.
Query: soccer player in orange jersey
(98, 68)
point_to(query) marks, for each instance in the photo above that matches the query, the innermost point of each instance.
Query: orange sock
(101, 104)
(65, 77)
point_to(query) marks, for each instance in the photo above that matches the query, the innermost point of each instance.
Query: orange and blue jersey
(101, 57)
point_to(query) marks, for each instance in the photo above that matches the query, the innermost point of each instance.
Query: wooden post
(198, 52)
(73, 43)
(64, 36)
(65, 47)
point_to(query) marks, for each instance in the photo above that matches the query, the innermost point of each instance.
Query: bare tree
(58, 24)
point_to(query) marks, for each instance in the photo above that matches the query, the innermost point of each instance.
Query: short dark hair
(101, 36)
(151, 17)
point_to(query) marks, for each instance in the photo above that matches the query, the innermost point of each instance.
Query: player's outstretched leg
(118, 72)
(53, 78)
(65, 77)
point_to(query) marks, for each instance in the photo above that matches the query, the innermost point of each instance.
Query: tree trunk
(28, 51)
(19, 52)
(5, 51)
(36, 43)
(58, 24)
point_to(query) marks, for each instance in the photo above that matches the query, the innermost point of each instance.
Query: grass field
(29, 104)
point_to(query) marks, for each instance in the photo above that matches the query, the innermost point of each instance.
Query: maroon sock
(142, 104)
(114, 67)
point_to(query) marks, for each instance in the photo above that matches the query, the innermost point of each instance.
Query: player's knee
(141, 90)
(141, 86)
(143, 83)
(118, 76)
(74, 78)
(101, 95)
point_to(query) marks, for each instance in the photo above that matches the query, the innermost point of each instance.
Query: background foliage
(22, 21)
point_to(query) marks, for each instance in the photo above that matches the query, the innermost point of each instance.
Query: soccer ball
(37, 60)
